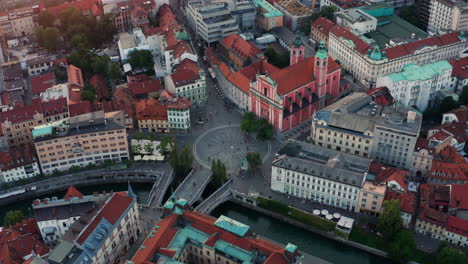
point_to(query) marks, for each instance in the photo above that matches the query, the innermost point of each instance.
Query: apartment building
(395, 136)
(22, 22)
(367, 59)
(192, 237)
(323, 175)
(371, 198)
(18, 122)
(423, 155)
(188, 80)
(61, 145)
(320, 29)
(104, 238)
(18, 164)
(178, 113)
(347, 125)
(212, 21)
(447, 15)
(151, 116)
(417, 85)
(55, 216)
(239, 52)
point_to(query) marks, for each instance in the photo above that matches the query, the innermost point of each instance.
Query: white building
(366, 62)
(106, 237)
(188, 81)
(55, 92)
(357, 20)
(18, 165)
(55, 216)
(129, 42)
(211, 21)
(447, 15)
(322, 175)
(416, 85)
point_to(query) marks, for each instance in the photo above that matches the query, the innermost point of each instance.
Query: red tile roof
(159, 241)
(150, 109)
(298, 75)
(15, 158)
(460, 68)
(461, 112)
(407, 200)
(458, 196)
(457, 225)
(422, 143)
(175, 102)
(75, 76)
(143, 88)
(241, 47)
(361, 46)
(411, 47)
(74, 92)
(124, 96)
(73, 192)
(22, 114)
(20, 240)
(41, 82)
(323, 25)
(98, 81)
(185, 73)
(458, 130)
(54, 107)
(114, 208)
(236, 78)
(94, 7)
(180, 48)
(440, 136)
(60, 62)
(80, 108)
(258, 67)
(381, 96)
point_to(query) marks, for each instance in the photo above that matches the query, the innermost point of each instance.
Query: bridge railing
(215, 194)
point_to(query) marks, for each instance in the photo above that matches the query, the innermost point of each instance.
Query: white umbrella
(336, 215)
(329, 217)
(324, 212)
(316, 212)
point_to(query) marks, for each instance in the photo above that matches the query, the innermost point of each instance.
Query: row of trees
(90, 64)
(218, 169)
(181, 161)
(401, 246)
(261, 127)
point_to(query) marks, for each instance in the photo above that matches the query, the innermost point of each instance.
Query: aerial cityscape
(233, 132)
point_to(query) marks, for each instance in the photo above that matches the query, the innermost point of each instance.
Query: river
(309, 242)
(141, 190)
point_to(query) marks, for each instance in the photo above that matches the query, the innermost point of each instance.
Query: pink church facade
(289, 97)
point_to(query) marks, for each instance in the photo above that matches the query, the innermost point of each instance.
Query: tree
(264, 129)
(254, 160)
(115, 73)
(80, 41)
(218, 169)
(464, 96)
(45, 19)
(149, 148)
(248, 123)
(186, 159)
(402, 247)
(151, 136)
(390, 222)
(450, 255)
(139, 135)
(166, 145)
(136, 149)
(13, 217)
(100, 64)
(328, 12)
(141, 59)
(448, 104)
(88, 93)
(270, 53)
(48, 38)
(181, 162)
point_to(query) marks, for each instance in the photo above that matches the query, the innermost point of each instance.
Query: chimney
(411, 117)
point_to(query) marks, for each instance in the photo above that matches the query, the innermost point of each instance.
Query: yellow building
(371, 198)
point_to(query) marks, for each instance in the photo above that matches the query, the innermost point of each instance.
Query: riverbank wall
(61, 183)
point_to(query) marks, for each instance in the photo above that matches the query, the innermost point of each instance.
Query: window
(265, 91)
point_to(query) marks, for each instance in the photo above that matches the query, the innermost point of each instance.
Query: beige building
(371, 198)
(447, 15)
(17, 124)
(151, 116)
(61, 145)
(422, 158)
(22, 22)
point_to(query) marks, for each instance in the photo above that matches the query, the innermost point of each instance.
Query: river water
(309, 242)
(141, 190)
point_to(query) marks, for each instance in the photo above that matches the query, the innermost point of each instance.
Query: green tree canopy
(254, 160)
(139, 135)
(48, 38)
(390, 222)
(448, 104)
(89, 93)
(402, 247)
(149, 148)
(13, 217)
(100, 64)
(249, 122)
(166, 145)
(450, 255)
(141, 59)
(464, 96)
(218, 169)
(115, 73)
(45, 19)
(181, 162)
(327, 12)
(264, 130)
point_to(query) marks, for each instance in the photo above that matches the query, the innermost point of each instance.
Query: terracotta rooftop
(360, 45)
(457, 225)
(185, 73)
(407, 200)
(323, 25)
(241, 47)
(458, 197)
(72, 192)
(298, 75)
(15, 158)
(461, 112)
(99, 83)
(93, 7)
(40, 83)
(460, 68)
(22, 114)
(381, 96)
(150, 109)
(144, 87)
(75, 76)
(54, 107)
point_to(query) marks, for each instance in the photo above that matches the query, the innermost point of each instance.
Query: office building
(447, 15)
(323, 175)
